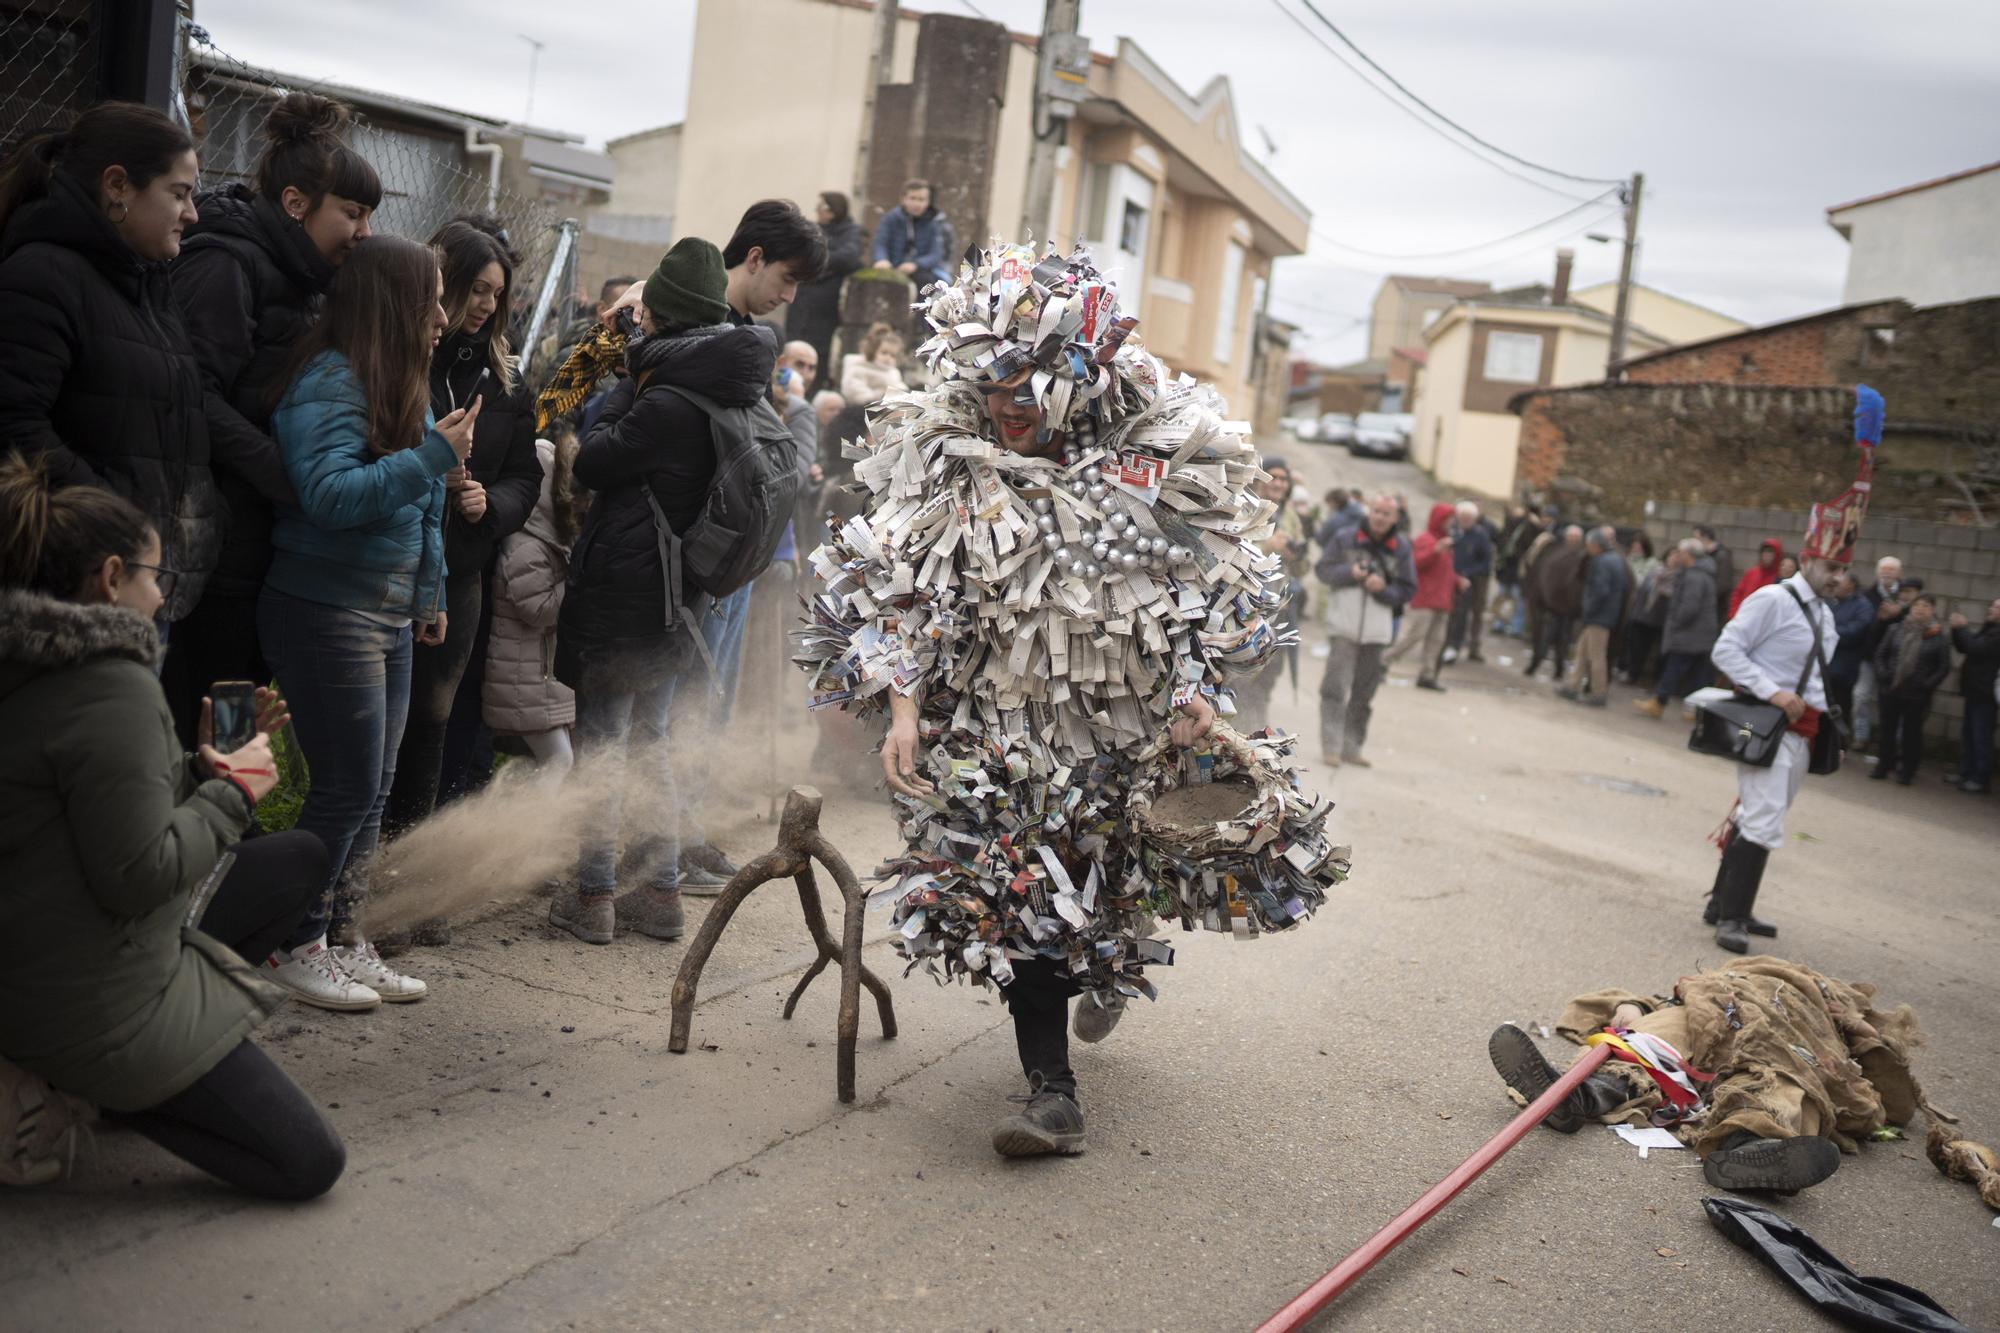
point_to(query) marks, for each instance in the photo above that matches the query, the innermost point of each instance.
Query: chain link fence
(48, 65)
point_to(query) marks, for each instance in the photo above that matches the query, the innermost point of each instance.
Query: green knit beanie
(689, 284)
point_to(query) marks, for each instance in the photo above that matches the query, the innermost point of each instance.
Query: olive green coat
(104, 835)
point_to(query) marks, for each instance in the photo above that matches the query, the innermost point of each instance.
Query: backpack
(755, 489)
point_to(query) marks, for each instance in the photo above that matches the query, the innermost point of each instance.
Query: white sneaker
(314, 975)
(365, 966)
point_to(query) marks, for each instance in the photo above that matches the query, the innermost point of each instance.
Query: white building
(1928, 244)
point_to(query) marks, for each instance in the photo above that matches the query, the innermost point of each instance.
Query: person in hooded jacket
(490, 497)
(520, 694)
(95, 370)
(816, 309)
(622, 643)
(1438, 584)
(1760, 575)
(133, 915)
(249, 280)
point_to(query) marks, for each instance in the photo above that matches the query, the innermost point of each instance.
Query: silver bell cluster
(1115, 546)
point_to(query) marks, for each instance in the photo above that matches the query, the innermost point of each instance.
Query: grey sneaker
(1785, 1166)
(589, 918)
(39, 1128)
(654, 912)
(1052, 1123)
(1097, 1013)
(699, 883)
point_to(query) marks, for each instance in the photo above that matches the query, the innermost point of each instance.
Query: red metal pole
(1343, 1274)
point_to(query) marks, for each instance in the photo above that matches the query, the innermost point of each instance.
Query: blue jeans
(1976, 735)
(1679, 673)
(347, 680)
(622, 701)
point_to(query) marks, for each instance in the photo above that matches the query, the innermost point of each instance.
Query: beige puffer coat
(522, 695)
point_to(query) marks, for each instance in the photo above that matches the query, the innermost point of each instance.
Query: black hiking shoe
(1785, 1166)
(1052, 1123)
(1523, 1067)
(1712, 916)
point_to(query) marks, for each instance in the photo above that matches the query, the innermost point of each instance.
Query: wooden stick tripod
(800, 843)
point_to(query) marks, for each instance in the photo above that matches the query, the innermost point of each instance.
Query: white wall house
(1927, 244)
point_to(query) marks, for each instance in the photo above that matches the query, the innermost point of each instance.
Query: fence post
(551, 280)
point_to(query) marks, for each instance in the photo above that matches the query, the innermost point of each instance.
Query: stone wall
(1960, 564)
(1818, 349)
(944, 125)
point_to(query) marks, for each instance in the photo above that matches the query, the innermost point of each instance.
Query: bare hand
(1464, 583)
(883, 263)
(906, 268)
(1958, 620)
(633, 298)
(457, 429)
(431, 635)
(899, 756)
(1447, 542)
(1195, 726)
(816, 474)
(253, 765)
(272, 716)
(1626, 1014)
(472, 501)
(1795, 707)
(1374, 583)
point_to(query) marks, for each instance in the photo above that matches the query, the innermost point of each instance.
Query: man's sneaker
(1355, 761)
(1429, 683)
(707, 856)
(1652, 708)
(654, 912)
(1786, 1166)
(1330, 759)
(39, 1128)
(1449, 656)
(1097, 1013)
(699, 883)
(589, 917)
(365, 965)
(1594, 700)
(314, 975)
(1568, 692)
(1052, 1123)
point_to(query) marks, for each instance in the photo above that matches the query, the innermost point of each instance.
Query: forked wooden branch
(800, 843)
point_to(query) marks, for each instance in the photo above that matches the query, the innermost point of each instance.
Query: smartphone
(235, 713)
(478, 386)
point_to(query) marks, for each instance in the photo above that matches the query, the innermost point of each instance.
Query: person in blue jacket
(914, 238)
(357, 575)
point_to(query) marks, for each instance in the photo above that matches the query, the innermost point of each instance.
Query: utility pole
(1062, 79)
(534, 58)
(881, 63)
(1621, 313)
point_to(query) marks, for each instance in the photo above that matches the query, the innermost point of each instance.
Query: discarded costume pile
(1053, 613)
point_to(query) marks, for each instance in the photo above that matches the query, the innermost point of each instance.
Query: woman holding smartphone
(124, 989)
(357, 579)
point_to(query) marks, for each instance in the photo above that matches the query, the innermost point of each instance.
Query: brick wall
(1960, 564)
(1818, 350)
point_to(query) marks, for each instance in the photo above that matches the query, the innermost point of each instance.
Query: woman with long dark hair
(250, 277)
(113, 843)
(357, 577)
(95, 371)
(490, 497)
(816, 309)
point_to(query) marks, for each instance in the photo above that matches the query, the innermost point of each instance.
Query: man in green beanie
(650, 458)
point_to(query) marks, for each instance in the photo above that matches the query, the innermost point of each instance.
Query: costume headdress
(1009, 312)
(1834, 526)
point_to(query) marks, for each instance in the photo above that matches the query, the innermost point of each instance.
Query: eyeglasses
(163, 577)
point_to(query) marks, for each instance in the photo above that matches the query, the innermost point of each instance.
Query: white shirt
(1766, 647)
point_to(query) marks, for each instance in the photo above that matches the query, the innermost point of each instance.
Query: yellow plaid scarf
(594, 357)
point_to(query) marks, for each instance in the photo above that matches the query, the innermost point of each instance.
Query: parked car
(1381, 434)
(1302, 428)
(1336, 428)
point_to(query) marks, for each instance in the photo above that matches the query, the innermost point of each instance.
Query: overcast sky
(1749, 118)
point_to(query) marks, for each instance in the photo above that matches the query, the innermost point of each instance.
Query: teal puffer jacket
(367, 532)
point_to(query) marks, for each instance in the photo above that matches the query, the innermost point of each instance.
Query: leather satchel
(1749, 730)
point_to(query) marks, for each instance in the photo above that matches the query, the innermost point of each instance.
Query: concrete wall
(1960, 565)
(1928, 246)
(647, 173)
(1673, 319)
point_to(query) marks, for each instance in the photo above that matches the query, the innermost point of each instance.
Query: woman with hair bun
(251, 274)
(95, 372)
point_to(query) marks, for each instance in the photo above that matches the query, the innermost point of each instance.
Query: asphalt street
(526, 1154)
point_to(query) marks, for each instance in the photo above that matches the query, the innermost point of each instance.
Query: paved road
(1283, 1098)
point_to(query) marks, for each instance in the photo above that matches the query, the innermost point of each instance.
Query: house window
(1132, 230)
(1515, 358)
(1878, 344)
(1225, 307)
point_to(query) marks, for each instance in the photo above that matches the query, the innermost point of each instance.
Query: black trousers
(215, 641)
(245, 1122)
(435, 675)
(1038, 997)
(1899, 731)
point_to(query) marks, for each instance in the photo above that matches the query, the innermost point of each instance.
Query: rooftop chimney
(1559, 294)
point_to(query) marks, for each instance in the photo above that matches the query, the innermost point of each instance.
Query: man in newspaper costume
(1766, 650)
(1059, 559)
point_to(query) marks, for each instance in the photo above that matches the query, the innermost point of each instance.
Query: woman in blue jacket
(357, 576)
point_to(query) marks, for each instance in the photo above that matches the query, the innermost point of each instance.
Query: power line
(1468, 249)
(1397, 84)
(1394, 101)
(977, 11)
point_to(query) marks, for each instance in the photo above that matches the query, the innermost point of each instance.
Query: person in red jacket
(1760, 575)
(1430, 609)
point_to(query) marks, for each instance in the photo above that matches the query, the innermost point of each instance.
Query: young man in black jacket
(1912, 662)
(1976, 679)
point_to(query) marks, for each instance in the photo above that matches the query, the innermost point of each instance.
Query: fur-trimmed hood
(40, 634)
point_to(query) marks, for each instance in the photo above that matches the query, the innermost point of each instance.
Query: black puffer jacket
(503, 456)
(96, 373)
(657, 439)
(248, 284)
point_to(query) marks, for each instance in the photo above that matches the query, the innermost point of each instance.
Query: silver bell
(1093, 474)
(1100, 550)
(1045, 505)
(1095, 490)
(1177, 554)
(1078, 568)
(1093, 570)
(1051, 540)
(1064, 555)
(1117, 520)
(1128, 562)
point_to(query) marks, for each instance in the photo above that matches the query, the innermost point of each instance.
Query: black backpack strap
(677, 610)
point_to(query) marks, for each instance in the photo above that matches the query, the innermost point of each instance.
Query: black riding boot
(1522, 1067)
(1711, 914)
(1743, 872)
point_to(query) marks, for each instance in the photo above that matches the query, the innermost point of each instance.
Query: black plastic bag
(1832, 1287)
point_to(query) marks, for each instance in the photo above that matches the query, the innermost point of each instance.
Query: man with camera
(1372, 576)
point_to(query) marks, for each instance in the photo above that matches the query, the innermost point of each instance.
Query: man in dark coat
(1690, 628)
(914, 238)
(1472, 559)
(1606, 590)
(1912, 661)
(1976, 678)
(816, 309)
(1554, 586)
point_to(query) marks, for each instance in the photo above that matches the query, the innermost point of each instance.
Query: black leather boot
(1743, 873)
(1784, 1166)
(1521, 1065)
(1711, 914)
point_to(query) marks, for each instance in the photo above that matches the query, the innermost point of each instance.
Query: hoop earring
(118, 204)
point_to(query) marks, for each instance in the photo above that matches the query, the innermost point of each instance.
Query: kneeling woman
(109, 831)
